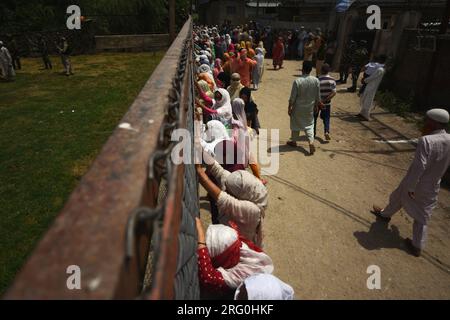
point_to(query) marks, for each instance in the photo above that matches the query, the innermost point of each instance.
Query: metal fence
(130, 224)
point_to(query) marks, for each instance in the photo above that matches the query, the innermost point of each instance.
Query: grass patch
(51, 129)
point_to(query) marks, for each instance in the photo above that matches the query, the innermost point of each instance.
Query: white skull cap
(439, 115)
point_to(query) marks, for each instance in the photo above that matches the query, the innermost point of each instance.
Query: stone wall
(132, 43)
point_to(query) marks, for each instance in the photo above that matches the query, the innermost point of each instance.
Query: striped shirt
(327, 86)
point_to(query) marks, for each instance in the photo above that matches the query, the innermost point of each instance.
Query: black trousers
(47, 62)
(356, 70)
(16, 63)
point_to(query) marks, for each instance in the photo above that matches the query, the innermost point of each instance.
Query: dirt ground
(318, 228)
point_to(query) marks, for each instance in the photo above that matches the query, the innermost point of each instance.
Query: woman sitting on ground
(240, 197)
(226, 259)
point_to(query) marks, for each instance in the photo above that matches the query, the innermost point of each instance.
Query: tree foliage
(109, 16)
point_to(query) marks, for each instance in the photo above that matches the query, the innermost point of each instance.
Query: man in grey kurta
(418, 191)
(305, 97)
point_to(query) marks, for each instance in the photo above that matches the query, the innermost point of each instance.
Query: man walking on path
(305, 97)
(327, 92)
(367, 98)
(419, 189)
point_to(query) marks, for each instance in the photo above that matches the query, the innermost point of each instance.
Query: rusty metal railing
(129, 225)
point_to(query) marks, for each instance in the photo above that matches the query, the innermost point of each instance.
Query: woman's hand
(290, 110)
(200, 233)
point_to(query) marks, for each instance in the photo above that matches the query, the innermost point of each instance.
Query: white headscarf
(219, 238)
(265, 287)
(223, 107)
(204, 68)
(238, 107)
(244, 186)
(213, 135)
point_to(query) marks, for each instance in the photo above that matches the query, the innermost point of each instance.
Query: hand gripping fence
(129, 226)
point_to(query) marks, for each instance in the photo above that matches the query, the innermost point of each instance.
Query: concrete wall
(411, 68)
(216, 12)
(132, 43)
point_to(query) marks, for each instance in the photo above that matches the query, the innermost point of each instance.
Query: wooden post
(172, 20)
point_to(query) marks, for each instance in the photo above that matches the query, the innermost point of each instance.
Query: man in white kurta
(373, 82)
(6, 66)
(305, 97)
(418, 191)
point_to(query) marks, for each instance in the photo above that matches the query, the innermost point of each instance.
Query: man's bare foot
(377, 211)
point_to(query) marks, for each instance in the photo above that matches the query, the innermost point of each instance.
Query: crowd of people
(232, 263)
(230, 62)
(10, 56)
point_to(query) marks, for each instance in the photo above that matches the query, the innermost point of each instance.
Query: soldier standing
(346, 62)
(359, 59)
(43, 48)
(15, 54)
(65, 51)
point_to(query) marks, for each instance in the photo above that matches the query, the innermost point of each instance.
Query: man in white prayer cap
(418, 192)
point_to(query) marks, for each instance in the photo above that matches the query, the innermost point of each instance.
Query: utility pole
(172, 20)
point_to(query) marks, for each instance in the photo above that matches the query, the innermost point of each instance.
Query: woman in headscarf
(261, 46)
(245, 137)
(258, 69)
(228, 41)
(226, 259)
(278, 53)
(235, 87)
(263, 286)
(240, 197)
(214, 133)
(243, 65)
(249, 47)
(251, 109)
(227, 63)
(217, 70)
(205, 88)
(204, 73)
(220, 106)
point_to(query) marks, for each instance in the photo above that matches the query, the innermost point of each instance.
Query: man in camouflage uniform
(346, 61)
(65, 51)
(359, 60)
